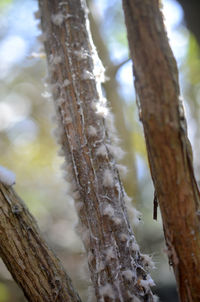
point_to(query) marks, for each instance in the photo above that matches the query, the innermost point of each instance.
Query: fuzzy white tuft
(57, 19)
(116, 220)
(66, 83)
(128, 274)
(90, 257)
(108, 210)
(92, 131)
(55, 59)
(123, 237)
(110, 254)
(117, 152)
(134, 215)
(60, 101)
(87, 75)
(134, 247)
(107, 291)
(155, 298)
(101, 151)
(123, 170)
(81, 54)
(7, 177)
(108, 180)
(147, 283)
(147, 261)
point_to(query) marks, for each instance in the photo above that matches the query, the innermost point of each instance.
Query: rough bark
(116, 265)
(30, 261)
(169, 151)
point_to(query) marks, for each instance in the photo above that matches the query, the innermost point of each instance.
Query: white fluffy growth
(92, 131)
(147, 261)
(155, 298)
(110, 254)
(66, 83)
(128, 274)
(147, 283)
(101, 109)
(87, 75)
(109, 210)
(60, 101)
(7, 177)
(90, 257)
(101, 151)
(81, 54)
(123, 237)
(117, 152)
(134, 247)
(108, 180)
(134, 215)
(116, 220)
(107, 291)
(56, 59)
(123, 170)
(57, 19)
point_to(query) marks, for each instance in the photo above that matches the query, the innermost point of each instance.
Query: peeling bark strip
(118, 270)
(169, 151)
(31, 263)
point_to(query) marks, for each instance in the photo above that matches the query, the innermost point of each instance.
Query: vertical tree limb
(169, 151)
(118, 270)
(31, 263)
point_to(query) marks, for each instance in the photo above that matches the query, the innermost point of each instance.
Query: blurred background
(28, 149)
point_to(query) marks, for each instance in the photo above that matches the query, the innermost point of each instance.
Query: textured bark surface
(169, 151)
(118, 270)
(31, 263)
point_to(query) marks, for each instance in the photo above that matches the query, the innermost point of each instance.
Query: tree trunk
(118, 270)
(31, 263)
(169, 151)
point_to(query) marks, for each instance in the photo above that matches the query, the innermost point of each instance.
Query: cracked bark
(30, 261)
(169, 151)
(117, 268)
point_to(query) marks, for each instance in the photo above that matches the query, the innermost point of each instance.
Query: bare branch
(168, 147)
(32, 264)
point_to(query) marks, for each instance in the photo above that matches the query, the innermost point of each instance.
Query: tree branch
(116, 265)
(31, 263)
(168, 147)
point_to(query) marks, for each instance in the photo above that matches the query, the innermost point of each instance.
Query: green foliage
(4, 293)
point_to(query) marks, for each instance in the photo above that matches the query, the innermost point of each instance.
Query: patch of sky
(173, 15)
(19, 33)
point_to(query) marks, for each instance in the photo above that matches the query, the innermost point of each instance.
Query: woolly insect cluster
(105, 148)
